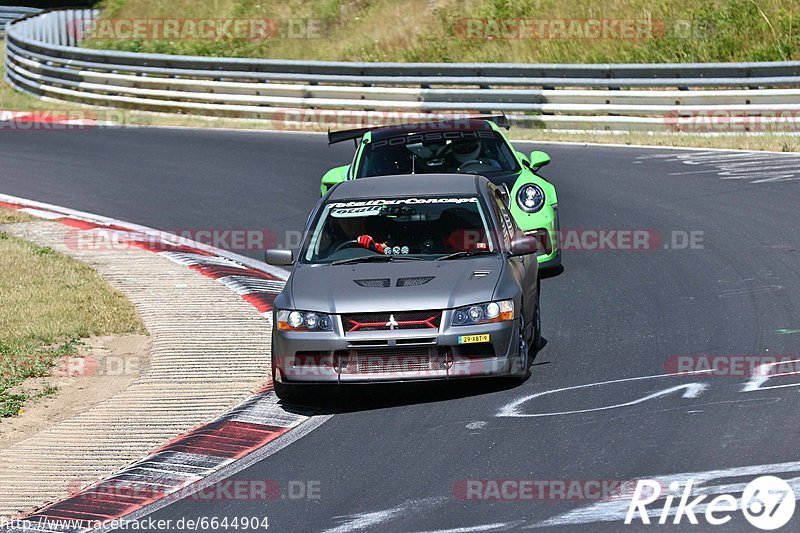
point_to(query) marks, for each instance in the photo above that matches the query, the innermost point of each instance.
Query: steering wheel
(442, 150)
(346, 244)
(472, 163)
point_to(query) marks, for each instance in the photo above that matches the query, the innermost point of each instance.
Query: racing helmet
(466, 149)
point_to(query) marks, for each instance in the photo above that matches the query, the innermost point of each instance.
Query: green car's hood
(512, 180)
(509, 179)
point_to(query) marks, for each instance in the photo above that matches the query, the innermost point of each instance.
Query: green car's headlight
(303, 321)
(484, 313)
(530, 198)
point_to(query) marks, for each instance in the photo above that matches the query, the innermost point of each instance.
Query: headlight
(530, 198)
(303, 321)
(484, 313)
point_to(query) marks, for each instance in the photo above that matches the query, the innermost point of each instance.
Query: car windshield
(398, 229)
(482, 152)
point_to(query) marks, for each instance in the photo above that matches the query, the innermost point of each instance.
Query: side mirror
(525, 245)
(278, 257)
(539, 159)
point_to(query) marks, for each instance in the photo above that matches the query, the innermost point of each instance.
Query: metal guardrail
(9, 13)
(43, 58)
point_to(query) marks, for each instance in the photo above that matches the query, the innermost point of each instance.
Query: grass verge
(48, 302)
(474, 30)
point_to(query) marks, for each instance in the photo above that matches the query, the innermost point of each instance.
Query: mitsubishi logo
(392, 324)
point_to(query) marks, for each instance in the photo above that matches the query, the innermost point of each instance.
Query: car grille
(391, 360)
(391, 321)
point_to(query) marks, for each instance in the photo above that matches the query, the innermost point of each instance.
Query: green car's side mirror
(539, 159)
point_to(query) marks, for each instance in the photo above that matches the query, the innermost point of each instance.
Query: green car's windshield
(482, 152)
(400, 228)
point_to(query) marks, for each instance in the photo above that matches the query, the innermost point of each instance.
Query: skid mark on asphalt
(762, 283)
(751, 166)
(746, 291)
(360, 521)
(497, 526)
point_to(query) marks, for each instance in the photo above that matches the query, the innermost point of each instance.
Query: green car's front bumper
(541, 223)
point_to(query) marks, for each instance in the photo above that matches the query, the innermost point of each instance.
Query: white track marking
(691, 390)
(615, 510)
(762, 374)
(39, 213)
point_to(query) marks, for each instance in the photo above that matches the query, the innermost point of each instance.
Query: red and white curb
(192, 459)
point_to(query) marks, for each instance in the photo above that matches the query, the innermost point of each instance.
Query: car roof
(409, 185)
(444, 125)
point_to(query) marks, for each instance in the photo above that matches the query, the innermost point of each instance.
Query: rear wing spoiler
(335, 137)
(345, 135)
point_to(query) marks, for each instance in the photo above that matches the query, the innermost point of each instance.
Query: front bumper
(551, 261)
(546, 228)
(400, 355)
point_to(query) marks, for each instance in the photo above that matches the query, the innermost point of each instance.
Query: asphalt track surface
(390, 457)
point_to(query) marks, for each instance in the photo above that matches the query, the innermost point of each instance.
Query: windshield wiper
(465, 253)
(376, 258)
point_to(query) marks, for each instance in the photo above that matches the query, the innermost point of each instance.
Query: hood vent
(373, 283)
(480, 274)
(413, 282)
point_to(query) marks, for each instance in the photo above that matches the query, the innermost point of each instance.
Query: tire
(537, 320)
(524, 352)
(286, 393)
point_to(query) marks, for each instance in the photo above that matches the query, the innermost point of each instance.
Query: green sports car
(475, 145)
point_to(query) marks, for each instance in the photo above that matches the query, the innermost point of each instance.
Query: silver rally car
(411, 278)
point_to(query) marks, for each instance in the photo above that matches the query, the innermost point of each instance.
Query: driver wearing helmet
(355, 229)
(467, 152)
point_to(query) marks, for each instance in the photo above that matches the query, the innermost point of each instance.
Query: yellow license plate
(470, 339)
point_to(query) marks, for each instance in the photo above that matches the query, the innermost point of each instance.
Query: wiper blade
(376, 258)
(465, 253)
